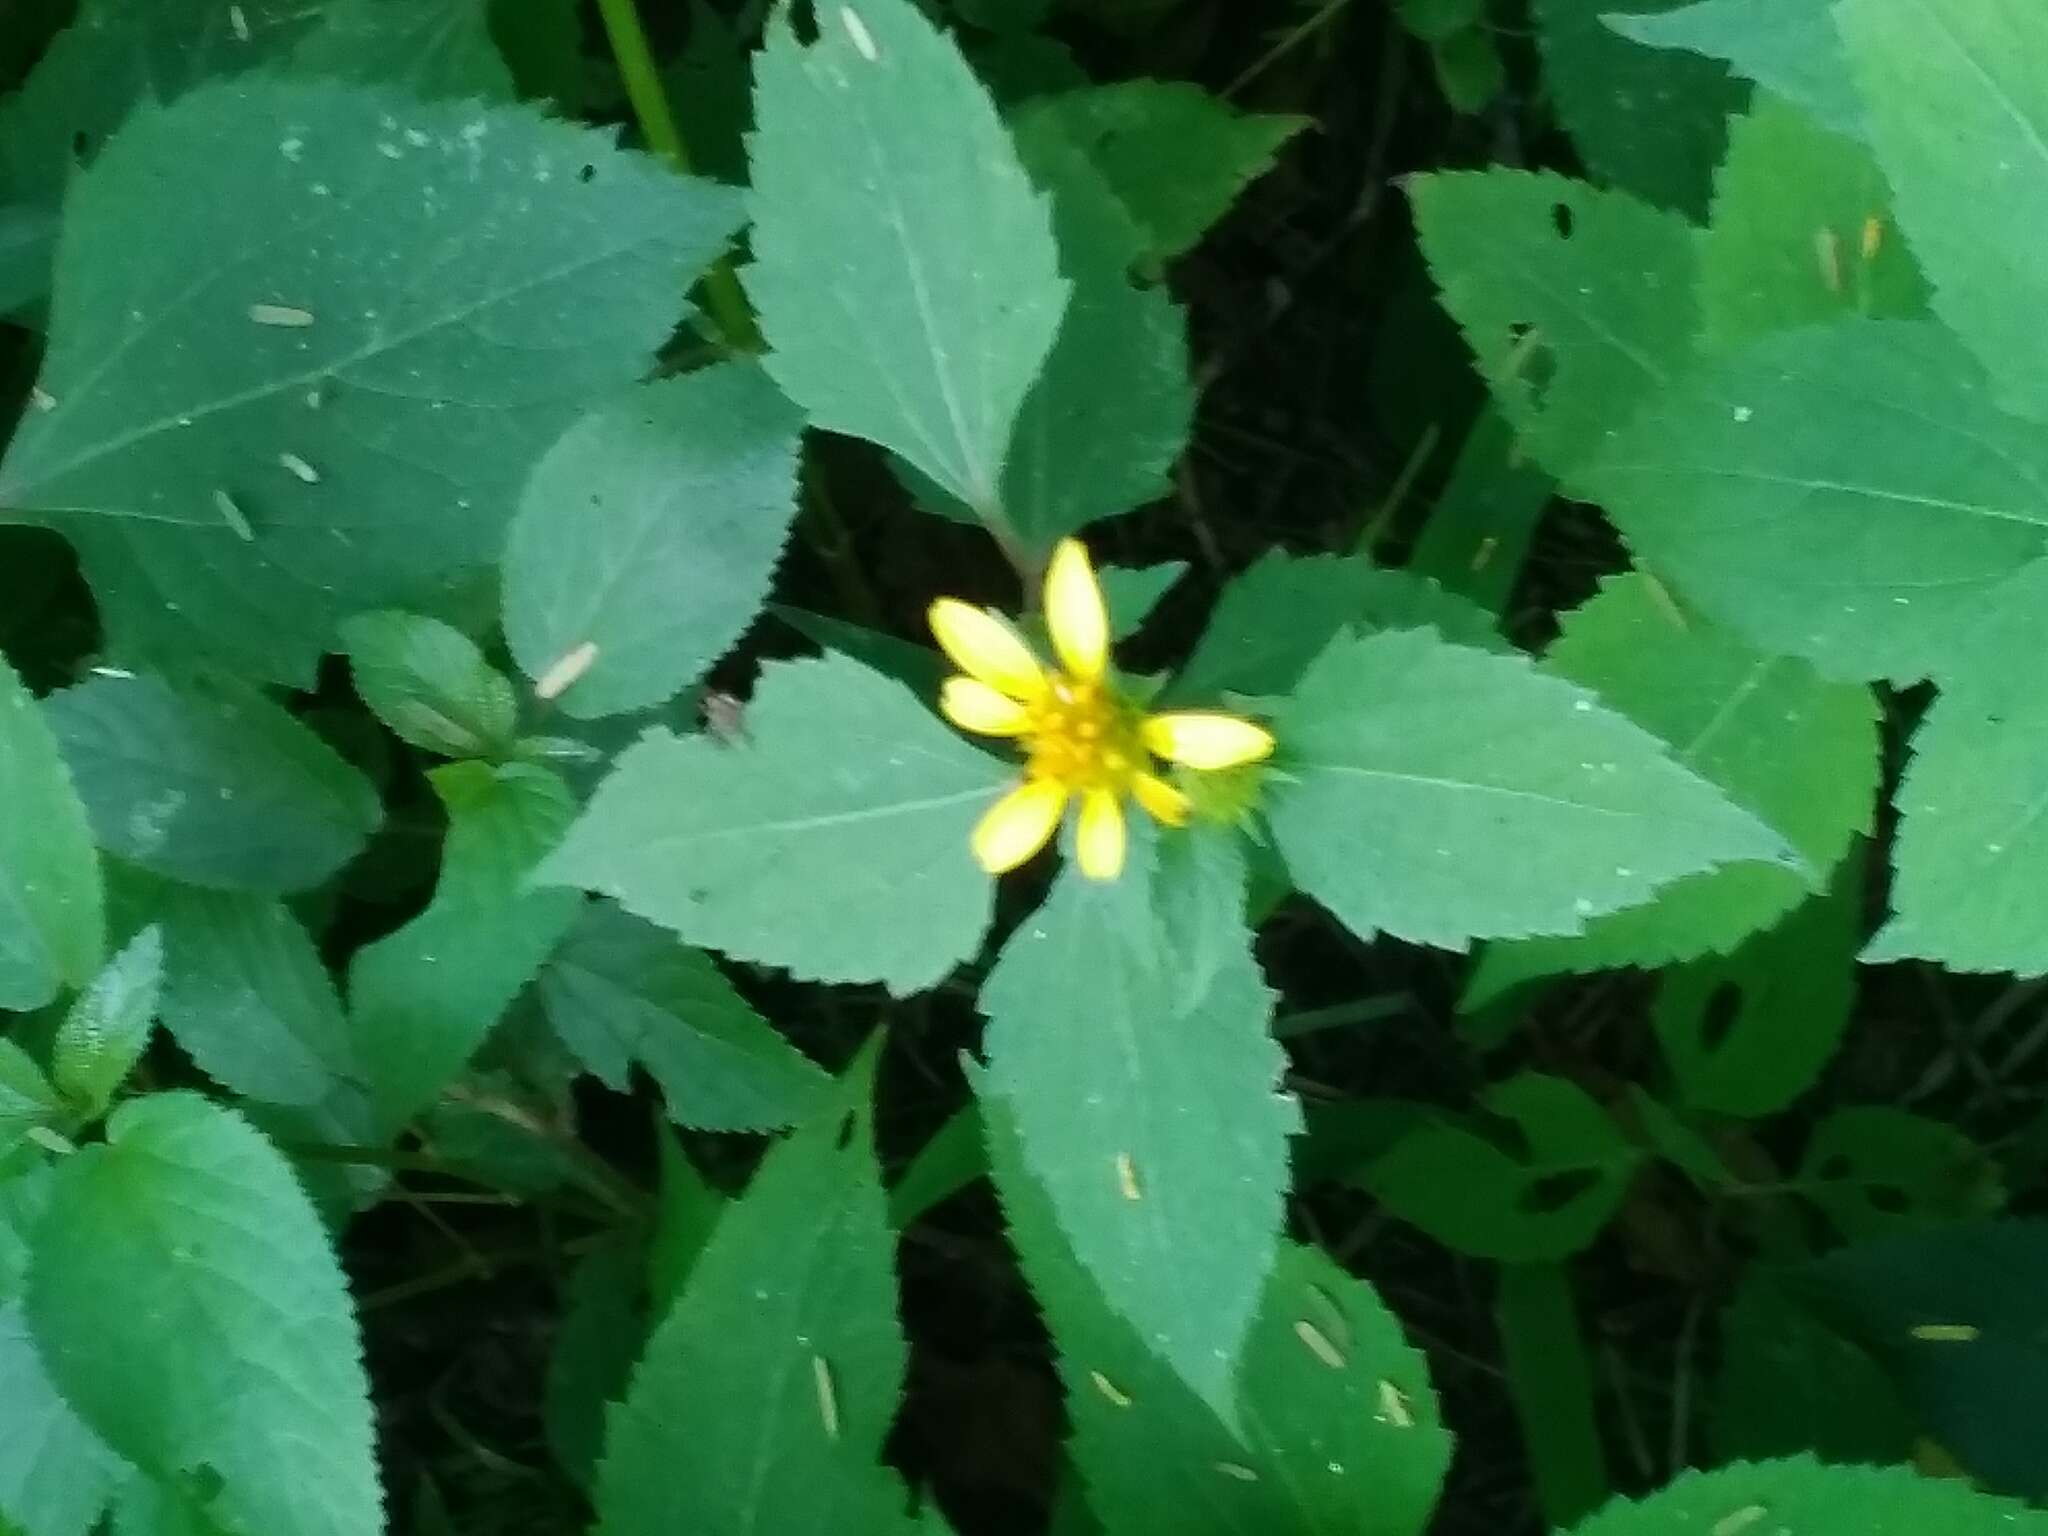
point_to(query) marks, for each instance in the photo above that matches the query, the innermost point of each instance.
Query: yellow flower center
(1084, 736)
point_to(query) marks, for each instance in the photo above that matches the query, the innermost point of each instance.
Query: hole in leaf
(587, 174)
(1561, 219)
(1890, 1199)
(1554, 1191)
(1717, 1019)
(844, 1139)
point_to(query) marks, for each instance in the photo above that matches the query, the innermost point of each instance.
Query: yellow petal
(1207, 739)
(1018, 825)
(974, 706)
(1075, 615)
(1099, 840)
(1165, 803)
(983, 646)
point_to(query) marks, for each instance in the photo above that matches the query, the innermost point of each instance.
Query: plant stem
(657, 122)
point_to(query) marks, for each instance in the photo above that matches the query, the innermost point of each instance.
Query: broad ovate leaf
(1803, 1496)
(1140, 1077)
(52, 921)
(430, 684)
(185, 1299)
(1777, 738)
(830, 839)
(906, 278)
(212, 785)
(1443, 794)
(337, 414)
(761, 1402)
(647, 537)
(1850, 494)
(1576, 302)
(1956, 95)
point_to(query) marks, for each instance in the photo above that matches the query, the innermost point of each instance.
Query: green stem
(658, 127)
(1552, 1385)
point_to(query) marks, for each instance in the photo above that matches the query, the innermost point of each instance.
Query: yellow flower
(1082, 738)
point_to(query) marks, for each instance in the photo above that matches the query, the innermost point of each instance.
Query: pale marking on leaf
(566, 672)
(1827, 249)
(1319, 1344)
(1947, 1333)
(1873, 236)
(1661, 596)
(863, 40)
(299, 469)
(238, 19)
(289, 316)
(1237, 1470)
(232, 516)
(828, 1396)
(1740, 1520)
(1127, 1177)
(42, 399)
(1334, 1324)
(1483, 555)
(1394, 1408)
(1109, 1389)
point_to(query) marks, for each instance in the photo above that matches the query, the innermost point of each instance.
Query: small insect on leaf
(1394, 1408)
(1947, 1333)
(1319, 1344)
(288, 316)
(567, 672)
(1734, 1523)
(857, 30)
(1127, 1177)
(828, 1396)
(1109, 1389)
(298, 468)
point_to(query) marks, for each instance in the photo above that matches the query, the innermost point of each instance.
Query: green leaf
(1394, 792)
(429, 683)
(423, 998)
(56, 1475)
(1109, 414)
(432, 47)
(1551, 1382)
(1874, 1171)
(1783, 743)
(1746, 1035)
(115, 56)
(1337, 1429)
(244, 461)
(1477, 538)
(648, 536)
(687, 1211)
(145, 1507)
(1804, 1496)
(107, 1026)
(1956, 1317)
(1175, 156)
(907, 280)
(1972, 847)
(1651, 123)
(595, 1348)
(213, 785)
(27, 1101)
(1576, 302)
(28, 238)
(1141, 1079)
(1282, 613)
(1846, 494)
(186, 1302)
(248, 996)
(1801, 232)
(1790, 1383)
(831, 841)
(1790, 47)
(52, 920)
(763, 1399)
(1957, 97)
(1540, 1194)
(1131, 593)
(621, 991)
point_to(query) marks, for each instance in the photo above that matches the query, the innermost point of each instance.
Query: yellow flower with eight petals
(1082, 737)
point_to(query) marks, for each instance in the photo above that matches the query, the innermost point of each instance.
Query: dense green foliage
(524, 1010)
